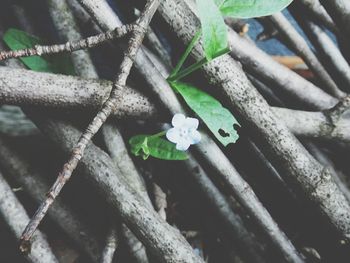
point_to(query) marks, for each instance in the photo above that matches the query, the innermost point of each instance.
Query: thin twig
(134, 43)
(70, 46)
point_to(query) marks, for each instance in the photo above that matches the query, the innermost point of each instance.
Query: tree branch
(163, 240)
(70, 46)
(292, 159)
(134, 43)
(27, 176)
(329, 125)
(315, 8)
(25, 87)
(301, 47)
(16, 217)
(111, 245)
(259, 63)
(162, 90)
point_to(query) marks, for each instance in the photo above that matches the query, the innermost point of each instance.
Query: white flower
(184, 132)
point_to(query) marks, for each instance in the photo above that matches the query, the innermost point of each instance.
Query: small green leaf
(147, 145)
(214, 31)
(251, 8)
(60, 63)
(218, 119)
(139, 146)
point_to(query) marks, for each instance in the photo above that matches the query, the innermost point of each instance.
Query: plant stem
(187, 71)
(185, 55)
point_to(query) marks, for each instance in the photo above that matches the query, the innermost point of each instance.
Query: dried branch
(70, 46)
(340, 12)
(163, 241)
(315, 8)
(160, 201)
(134, 43)
(16, 217)
(325, 46)
(326, 125)
(67, 30)
(120, 156)
(301, 47)
(111, 245)
(65, 24)
(160, 88)
(292, 159)
(31, 181)
(25, 87)
(260, 64)
(338, 176)
(244, 241)
(56, 91)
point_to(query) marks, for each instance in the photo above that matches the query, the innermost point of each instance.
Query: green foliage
(214, 31)
(148, 145)
(17, 39)
(218, 119)
(250, 8)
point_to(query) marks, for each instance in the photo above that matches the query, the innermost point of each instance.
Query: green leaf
(139, 146)
(218, 119)
(59, 63)
(147, 145)
(214, 31)
(251, 8)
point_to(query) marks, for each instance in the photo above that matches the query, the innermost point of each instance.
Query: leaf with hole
(147, 145)
(219, 120)
(251, 8)
(60, 63)
(214, 31)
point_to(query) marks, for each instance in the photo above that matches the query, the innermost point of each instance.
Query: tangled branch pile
(280, 194)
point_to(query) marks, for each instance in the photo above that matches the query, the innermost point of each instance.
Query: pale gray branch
(301, 47)
(163, 91)
(26, 175)
(16, 218)
(25, 87)
(163, 240)
(65, 24)
(292, 159)
(315, 7)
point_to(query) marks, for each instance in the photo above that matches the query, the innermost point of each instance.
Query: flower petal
(183, 145)
(173, 135)
(191, 123)
(195, 136)
(178, 120)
